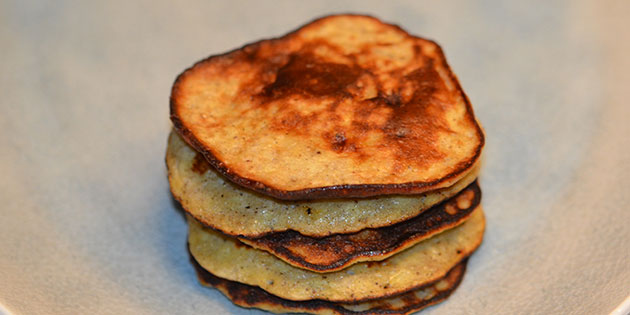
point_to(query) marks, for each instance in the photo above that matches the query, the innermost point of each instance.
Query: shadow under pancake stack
(332, 170)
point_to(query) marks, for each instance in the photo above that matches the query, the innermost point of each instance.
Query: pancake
(346, 106)
(254, 297)
(234, 210)
(419, 265)
(338, 251)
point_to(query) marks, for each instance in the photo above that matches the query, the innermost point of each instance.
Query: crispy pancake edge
(334, 191)
(254, 297)
(395, 238)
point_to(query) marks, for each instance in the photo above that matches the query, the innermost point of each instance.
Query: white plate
(87, 223)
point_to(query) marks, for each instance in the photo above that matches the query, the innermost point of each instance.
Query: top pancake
(345, 106)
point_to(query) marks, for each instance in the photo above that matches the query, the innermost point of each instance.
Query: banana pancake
(234, 210)
(338, 251)
(408, 302)
(419, 265)
(346, 106)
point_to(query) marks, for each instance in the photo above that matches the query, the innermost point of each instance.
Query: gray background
(87, 224)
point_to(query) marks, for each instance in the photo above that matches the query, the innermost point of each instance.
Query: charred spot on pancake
(339, 141)
(392, 100)
(371, 264)
(200, 165)
(306, 75)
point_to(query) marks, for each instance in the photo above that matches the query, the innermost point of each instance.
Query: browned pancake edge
(335, 252)
(254, 297)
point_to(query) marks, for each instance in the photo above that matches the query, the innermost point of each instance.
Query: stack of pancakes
(332, 170)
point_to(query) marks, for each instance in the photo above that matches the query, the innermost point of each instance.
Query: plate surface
(87, 222)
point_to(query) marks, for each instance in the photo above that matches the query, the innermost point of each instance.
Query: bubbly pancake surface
(234, 210)
(338, 251)
(420, 264)
(254, 297)
(346, 106)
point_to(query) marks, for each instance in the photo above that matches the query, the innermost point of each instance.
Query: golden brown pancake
(346, 106)
(234, 210)
(338, 251)
(419, 265)
(408, 302)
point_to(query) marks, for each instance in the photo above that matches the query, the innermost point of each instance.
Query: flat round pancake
(408, 302)
(338, 251)
(423, 263)
(227, 207)
(346, 106)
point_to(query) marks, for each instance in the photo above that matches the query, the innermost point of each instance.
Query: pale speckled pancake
(346, 106)
(227, 207)
(408, 302)
(338, 251)
(423, 263)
